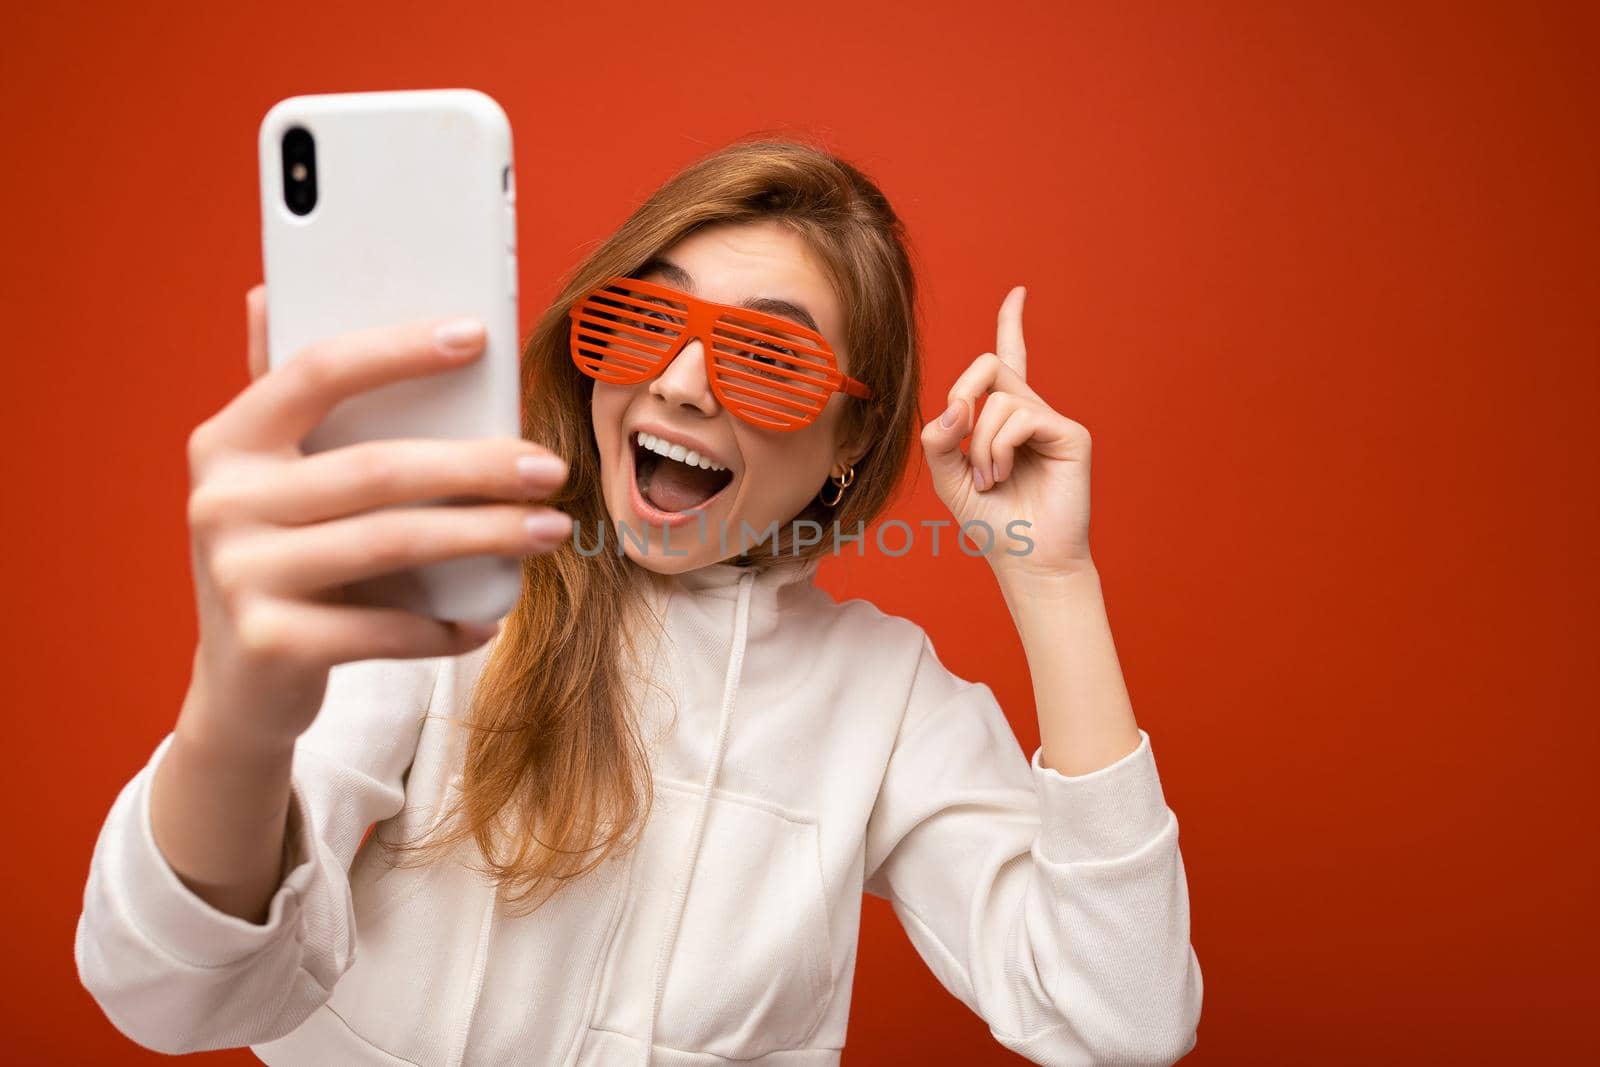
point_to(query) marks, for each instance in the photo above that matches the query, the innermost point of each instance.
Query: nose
(683, 382)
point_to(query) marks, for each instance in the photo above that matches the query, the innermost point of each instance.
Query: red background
(1320, 279)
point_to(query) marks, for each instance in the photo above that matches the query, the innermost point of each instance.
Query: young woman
(634, 826)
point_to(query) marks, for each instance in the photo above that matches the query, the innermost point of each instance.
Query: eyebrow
(682, 279)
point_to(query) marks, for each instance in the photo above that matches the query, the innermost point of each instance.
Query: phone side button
(511, 274)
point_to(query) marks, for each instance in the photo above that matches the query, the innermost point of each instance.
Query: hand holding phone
(276, 535)
(384, 208)
(370, 482)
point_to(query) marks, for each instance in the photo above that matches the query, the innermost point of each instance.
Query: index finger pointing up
(1008, 337)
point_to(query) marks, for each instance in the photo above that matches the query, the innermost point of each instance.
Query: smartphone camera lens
(299, 170)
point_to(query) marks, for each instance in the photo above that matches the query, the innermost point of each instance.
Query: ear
(852, 443)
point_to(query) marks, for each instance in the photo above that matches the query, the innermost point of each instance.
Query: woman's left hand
(1026, 462)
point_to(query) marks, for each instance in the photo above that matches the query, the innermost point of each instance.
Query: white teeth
(677, 452)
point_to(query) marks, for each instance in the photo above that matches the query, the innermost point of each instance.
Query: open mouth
(671, 478)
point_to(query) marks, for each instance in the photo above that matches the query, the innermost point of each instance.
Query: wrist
(1043, 604)
(212, 723)
(1020, 581)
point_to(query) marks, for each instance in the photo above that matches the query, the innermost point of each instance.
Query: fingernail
(541, 469)
(977, 477)
(460, 337)
(548, 526)
(952, 413)
(994, 472)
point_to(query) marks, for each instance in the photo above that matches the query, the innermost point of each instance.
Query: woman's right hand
(274, 532)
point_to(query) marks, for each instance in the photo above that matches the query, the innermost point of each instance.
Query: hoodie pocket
(751, 971)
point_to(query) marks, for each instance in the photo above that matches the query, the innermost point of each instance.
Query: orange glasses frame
(621, 338)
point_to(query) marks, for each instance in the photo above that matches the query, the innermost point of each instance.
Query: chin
(658, 562)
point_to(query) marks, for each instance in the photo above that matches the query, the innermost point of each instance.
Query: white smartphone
(379, 208)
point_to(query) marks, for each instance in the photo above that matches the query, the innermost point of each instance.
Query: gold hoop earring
(839, 483)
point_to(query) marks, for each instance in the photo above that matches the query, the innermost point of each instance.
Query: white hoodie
(820, 750)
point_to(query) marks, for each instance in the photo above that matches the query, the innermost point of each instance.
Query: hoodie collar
(722, 579)
(772, 590)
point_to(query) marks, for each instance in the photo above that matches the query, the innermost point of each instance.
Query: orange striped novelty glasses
(769, 371)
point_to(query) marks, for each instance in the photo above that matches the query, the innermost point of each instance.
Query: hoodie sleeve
(1054, 906)
(177, 975)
